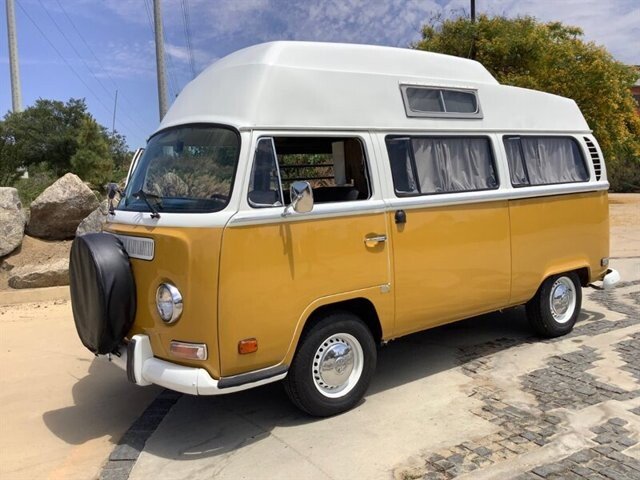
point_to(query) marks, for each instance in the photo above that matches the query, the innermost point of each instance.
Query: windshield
(184, 169)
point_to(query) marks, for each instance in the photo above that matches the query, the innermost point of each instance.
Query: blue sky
(112, 43)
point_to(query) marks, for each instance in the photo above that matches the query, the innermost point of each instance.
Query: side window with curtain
(428, 165)
(537, 160)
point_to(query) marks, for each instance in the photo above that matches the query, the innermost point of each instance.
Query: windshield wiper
(145, 196)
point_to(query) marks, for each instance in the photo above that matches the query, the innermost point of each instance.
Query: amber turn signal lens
(248, 345)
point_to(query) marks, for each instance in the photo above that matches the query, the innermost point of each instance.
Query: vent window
(595, 157)
(440, 102)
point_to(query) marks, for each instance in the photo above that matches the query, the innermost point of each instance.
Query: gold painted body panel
(271, 274)
(188, 257)
(450, 262)
(445, 264)
(551, 235)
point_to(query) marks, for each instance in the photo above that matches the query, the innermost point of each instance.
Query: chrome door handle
(373, 240)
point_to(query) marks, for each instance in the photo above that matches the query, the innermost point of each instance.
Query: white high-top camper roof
(333, 86)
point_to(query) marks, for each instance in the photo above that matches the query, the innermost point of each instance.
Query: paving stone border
(565, 383)
(124, 455)
(629, 351)
(605, 461)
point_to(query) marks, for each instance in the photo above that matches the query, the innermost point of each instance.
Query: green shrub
(624, 175)
(40, 177)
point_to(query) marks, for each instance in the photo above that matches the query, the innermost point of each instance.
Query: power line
(187, 34)
(192, 55)
(99, 62)
(64, 35)
(73, 70)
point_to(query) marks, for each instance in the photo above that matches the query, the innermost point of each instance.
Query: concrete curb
(30, 295)
(126, 453)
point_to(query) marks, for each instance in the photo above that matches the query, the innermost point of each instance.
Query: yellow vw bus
(302, 203)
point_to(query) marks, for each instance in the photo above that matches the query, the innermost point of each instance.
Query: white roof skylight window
(440, 102)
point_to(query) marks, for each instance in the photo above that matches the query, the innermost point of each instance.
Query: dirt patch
(624, 209)
(624, 221)
(32, 251)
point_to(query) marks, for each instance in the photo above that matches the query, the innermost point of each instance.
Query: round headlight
(168, 302)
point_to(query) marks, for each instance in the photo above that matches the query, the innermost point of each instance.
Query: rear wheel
(555, 308)
(333, 366)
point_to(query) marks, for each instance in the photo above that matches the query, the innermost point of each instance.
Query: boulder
(57, 212)
(48, 274)
(95, 220)
(12, 220)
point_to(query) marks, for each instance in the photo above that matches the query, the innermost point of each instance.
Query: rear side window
(544, 160)
(428, 165)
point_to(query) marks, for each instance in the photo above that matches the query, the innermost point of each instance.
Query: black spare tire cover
(103, 291)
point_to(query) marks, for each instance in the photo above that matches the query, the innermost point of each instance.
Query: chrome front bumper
(143, 369)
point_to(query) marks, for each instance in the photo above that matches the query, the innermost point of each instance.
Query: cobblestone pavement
(554, 421)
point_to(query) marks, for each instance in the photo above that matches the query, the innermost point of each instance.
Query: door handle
(373, 240)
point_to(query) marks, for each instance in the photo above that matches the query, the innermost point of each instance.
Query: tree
(45, 133)
(44, 138)
(92, 160)
(9, 160)
(554, 58)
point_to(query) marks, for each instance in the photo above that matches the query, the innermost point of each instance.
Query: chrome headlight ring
(169, 303)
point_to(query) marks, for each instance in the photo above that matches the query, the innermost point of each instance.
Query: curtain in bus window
(401, 171)
(553, 160)
(516, 165)
(453, 164)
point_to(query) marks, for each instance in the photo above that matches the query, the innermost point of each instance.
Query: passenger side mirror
(301, 198)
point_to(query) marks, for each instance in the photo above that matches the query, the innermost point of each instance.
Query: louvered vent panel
(595, 157)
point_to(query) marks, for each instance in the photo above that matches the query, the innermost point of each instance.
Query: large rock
(48, 274)
(95, 220)
(12, 220)
(57, 212)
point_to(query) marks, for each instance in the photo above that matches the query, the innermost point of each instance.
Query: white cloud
(128, 60)
(220, 27)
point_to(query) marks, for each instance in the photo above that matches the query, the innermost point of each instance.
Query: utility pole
(160, 69)
(473, 11)
(16, 96)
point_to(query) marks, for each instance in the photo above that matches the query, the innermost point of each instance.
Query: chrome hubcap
(563, 299)
(337, 365)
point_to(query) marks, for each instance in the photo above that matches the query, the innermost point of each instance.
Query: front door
(451, 258)
(274, 267)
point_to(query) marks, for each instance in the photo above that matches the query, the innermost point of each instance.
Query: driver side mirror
(301, 198)
(112, 189)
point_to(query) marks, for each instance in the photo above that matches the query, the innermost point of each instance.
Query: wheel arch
(361, 305)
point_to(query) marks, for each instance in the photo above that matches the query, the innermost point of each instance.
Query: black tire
(541, 313)
(300, 385)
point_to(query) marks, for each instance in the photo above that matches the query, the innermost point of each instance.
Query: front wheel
(333, 366)
(555, 308)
